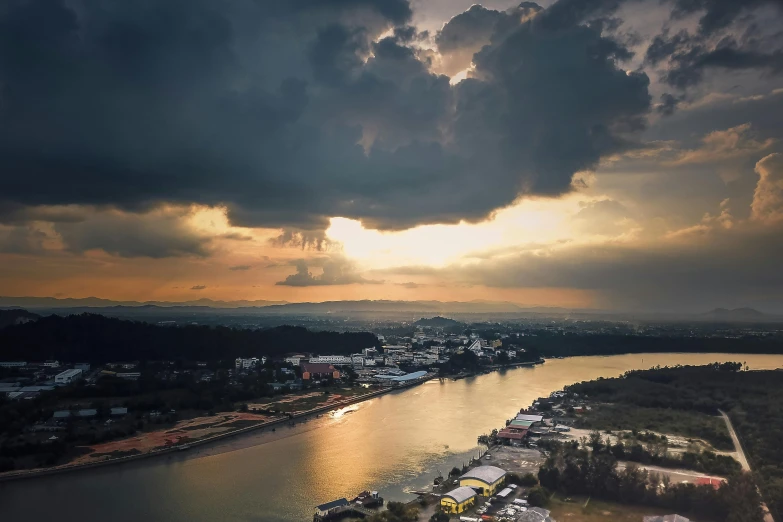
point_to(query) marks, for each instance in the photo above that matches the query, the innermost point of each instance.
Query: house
(318, 371)
(458, 500)
(535, 514)
(484, 479)
(510, 434)
(67, 376)
(666, 518)
(294, 359)
(13, 364)
(330, 507)
(119, 411)
(331, 359)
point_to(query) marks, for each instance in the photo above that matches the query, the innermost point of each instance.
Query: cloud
(236, 236)
(718, 146)
(163, 232)
(239, 268)
(289, 113)
(198, 287)
(767, 203)
(410, 285)
(336, 271)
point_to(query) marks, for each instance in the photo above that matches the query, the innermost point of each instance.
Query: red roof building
(318, 371)
(512, 433)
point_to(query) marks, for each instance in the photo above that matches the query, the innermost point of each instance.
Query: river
(395, 443)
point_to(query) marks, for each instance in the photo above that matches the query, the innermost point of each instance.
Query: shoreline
(64, 468)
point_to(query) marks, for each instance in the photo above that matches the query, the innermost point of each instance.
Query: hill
(739, 314)
(98, 339)
(437, 322)
(16, 316)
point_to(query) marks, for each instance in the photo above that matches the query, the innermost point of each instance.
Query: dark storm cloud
(239, 268)
(668, 105)
(156, 235)
(712, 46)
(336, 271)
(288, 112)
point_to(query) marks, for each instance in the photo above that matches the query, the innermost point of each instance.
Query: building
(511, 434)
(13, 364)
(51, 364)
(331, 359)
(85, 367)
(330, 507)
(119, 411)
(475, 347)
(294, 359)
(458, 500)
(246, 364)
(484, 479)
(130, 376)
(318, 371)
(528, 417)
(67, 376)
(666, 518)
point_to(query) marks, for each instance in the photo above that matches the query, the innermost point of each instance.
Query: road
(743, 460)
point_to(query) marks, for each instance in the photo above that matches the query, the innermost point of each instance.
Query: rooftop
(527, 417)
(333, 504)
(486, 474)
(317, 367)
(535, 514)
(461, 494)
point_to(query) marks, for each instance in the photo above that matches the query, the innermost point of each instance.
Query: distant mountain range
(739, 314)
(355, 308)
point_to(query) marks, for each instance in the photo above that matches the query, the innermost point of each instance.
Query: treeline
(752, 399)
(649, 448)
(98, 339)
(572, 470)
(572, 344)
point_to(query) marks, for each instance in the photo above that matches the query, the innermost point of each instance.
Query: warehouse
(67, 376)
(458, 500)
(484, 479)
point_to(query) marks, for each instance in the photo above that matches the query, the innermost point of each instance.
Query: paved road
(743, 460)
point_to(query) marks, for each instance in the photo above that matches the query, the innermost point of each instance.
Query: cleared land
(599, 511)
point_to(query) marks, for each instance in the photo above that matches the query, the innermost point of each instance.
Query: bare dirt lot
(182, 432)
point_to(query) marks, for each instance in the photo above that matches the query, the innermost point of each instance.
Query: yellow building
(484, 479)
(458, 500)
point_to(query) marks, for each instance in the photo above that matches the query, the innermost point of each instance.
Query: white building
(294, 359)
(67, 376)
(13, 364)
(331, 359)
(51, 364)
(475, 347)
(246, 364)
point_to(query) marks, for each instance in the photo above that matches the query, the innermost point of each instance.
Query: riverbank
(289, 419)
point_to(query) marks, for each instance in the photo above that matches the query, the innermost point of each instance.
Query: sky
(608, 154)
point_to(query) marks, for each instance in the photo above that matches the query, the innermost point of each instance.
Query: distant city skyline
(620, 155)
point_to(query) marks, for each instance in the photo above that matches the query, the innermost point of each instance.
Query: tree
(440, 517)
(538, 496)
(455, 472)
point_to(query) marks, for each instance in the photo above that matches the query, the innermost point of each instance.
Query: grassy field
(600, 511)
(677, 422)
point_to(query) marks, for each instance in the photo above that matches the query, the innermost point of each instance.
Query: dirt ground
(182, 432)
(599, 511)
(515, 460)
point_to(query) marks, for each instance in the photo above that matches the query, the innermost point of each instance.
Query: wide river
(394, 444)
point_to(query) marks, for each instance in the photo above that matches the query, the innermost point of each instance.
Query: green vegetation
(752, 399)
(615, 417)
(396, 512)
(572, 470)
(538, 496)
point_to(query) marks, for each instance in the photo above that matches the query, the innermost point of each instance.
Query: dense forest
(98, 339)
(752, 399)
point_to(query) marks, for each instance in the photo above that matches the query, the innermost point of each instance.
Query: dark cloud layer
(289, 112)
